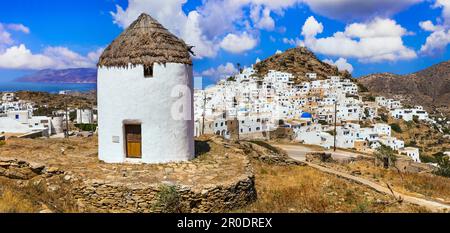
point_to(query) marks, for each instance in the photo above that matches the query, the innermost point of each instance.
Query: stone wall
(100, 197)
(114, 193)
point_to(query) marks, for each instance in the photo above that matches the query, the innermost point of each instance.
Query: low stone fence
(100, 197)
(221, 181)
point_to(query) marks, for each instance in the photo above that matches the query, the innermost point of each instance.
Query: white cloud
(375, 41)
(341, 64)
(5, 35)
(170, 14)
(238, 43)
(261, 18)
(221, 71)
(294, 42)
(278, 51)
(194, 35)
(19, 28)
(20, 57)
(429, 26)
(311, 27)
(359, 9)
(436, 42)
(445, 5)
(208, 24)
(439, 38)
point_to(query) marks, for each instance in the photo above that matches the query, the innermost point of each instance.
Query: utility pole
(66, 133)
(92, 117)
(204, 112)
(335, 123)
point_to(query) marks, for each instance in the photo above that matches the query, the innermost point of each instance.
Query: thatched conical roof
(145, 42)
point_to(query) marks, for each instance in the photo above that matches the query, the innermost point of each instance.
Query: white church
(145, 96)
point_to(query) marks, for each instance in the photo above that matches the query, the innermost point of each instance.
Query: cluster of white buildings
(252, 106)
(17, 118)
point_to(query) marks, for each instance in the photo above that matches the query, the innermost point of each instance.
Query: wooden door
(133, 141)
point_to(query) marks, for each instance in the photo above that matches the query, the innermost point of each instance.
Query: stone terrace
(217, 168)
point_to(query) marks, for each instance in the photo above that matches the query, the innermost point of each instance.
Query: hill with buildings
(78, 75)
(298, 61)
(429, 87)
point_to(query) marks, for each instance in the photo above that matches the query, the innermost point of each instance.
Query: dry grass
(31, 196)
(304, 189)
(13, 202)
(417, 184)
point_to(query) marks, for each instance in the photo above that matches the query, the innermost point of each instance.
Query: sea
(46, 87)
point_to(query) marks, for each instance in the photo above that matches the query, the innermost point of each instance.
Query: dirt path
(432, 205)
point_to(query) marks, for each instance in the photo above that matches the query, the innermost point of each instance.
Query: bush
(86, 127)
(443, 166)
(427, 159)
(386, 155)
(362, 88)
(384, 117)
(323, 122)
(396, 127)
(168, 199)
(416, 119)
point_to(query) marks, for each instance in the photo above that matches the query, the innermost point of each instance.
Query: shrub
(86, 127)
(384, 117)
(396, 127)
(416, 119)
(427, 159)
(362, 88)
(168, 199)
(386, 155)
(443, 166)
(323, 122)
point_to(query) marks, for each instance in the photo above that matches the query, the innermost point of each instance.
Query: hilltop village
(246, 106)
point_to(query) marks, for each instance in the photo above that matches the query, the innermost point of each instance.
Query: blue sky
(364, 37)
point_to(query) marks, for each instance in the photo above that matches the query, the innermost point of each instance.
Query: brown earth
(298, 61)
(429, 87)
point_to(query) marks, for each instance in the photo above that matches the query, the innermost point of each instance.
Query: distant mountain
(429, 87)
(298, 61)
(78, 75)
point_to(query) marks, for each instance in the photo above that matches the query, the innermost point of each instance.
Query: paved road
(299, 152)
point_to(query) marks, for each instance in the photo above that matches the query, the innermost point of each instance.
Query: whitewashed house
(145, 91)
(411, 152)
(408, 114)
(85, 116)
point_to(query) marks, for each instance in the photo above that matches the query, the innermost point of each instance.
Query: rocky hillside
(78, 75)
(429, 87)
(298, 61)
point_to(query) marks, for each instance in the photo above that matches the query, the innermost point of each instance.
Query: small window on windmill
(148, 71)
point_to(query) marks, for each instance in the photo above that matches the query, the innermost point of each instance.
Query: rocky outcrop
(298, 61)
(429, 87)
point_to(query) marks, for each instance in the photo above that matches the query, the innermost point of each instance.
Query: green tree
(386, 155)
(396, 127)
(443, 166)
